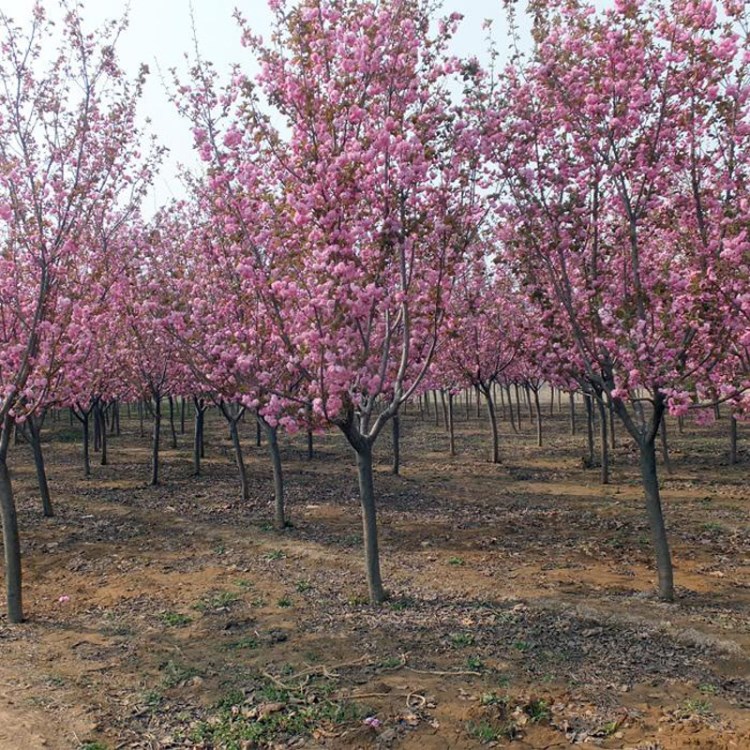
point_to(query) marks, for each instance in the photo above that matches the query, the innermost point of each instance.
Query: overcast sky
(160, 33)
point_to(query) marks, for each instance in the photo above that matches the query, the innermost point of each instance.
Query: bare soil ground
(521, 607)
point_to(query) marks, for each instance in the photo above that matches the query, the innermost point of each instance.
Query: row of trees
(375, 217)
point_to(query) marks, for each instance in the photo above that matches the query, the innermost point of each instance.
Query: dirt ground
(521, 608)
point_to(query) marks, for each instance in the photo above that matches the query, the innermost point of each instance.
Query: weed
(493, 699)
(244, 644)
(461, 640)
(276, 554)
(712, 526)
(522, 646)
(404, 602)
(175, 619)
(152, 699)
(93, 745)
(391, 662)
(244, 584)
(537, 711)
(303, 586)
(708, 689)
(474, 663)
(177, 674)
(217, 601)
(357, 600)
(285, 602)
(696, 706)
(483, 731)
(456, 561)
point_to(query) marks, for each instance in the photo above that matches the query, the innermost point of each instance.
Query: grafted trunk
(35, 438)
(656, 519)
(396, 441)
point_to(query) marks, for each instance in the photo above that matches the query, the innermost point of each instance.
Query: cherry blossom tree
(619, 141)
(69, 149)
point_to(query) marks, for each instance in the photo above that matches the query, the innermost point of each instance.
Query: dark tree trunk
(280, 521)
(445, 409)
(35, 435)
(310, 447)
(171, 423)
(587, 397)
(82, 415)
(611, 411)
(493, 425)
(200, 412)
(239, 460)
(604, 443)
(572, 400)
(511, 411)
(451, 430)
(97, 427)
(502, 401)
(369, 522)
(538, 412)
(732, 440)
(11, 540)
(529, 406)
(665, 443)
(140, 419)
(656, 519)
(155, 443)
(182, 415)
(258, 433)
(518, 405)
(102, 416)
(551, 401)
(437, 409)
(396, 441)
(233, 415)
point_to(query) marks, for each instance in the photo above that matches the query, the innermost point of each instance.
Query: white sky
(160, 33)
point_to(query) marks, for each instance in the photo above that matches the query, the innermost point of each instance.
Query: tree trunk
(604, 454)
(664, 443)
(445, 409)
(656, 519)
(589, 428)
(551, 401)
(258, 435)
(518, 405)
(451, 430)
(239, 460)
(572, 400)
(171, 423)
(309, 419)
(86, 455)
(155, 442)
(182, 415)
(612, 440)
(41, 472)
(732, 440)
(104, 459)
(493, 426)
(437, 409)
(538, 410)
(140, 419)
(511, 411)
(369, 522)
(11, 540)
(396, 440)
(278, 478)
(200, 411)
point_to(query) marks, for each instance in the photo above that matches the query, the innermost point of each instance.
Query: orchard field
(245, 500)
(520, 610)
